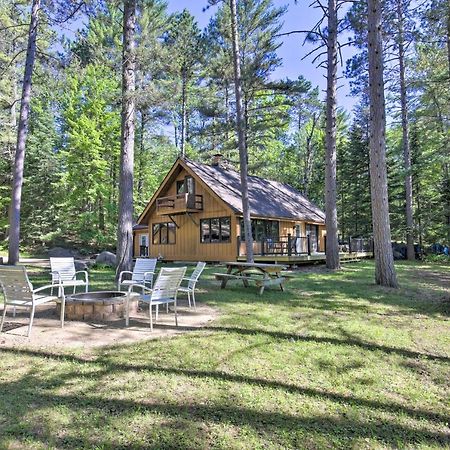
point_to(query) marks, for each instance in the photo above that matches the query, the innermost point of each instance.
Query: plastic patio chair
(64, 273)
(192, 281)
(142, 274)
(163, 292)
(19, 293)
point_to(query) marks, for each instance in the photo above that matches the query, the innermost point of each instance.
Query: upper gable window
(180, 187)
(186, 186)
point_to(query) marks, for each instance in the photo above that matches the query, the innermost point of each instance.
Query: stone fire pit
(99, 306)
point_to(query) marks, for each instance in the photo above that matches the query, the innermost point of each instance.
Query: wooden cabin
(196, 215)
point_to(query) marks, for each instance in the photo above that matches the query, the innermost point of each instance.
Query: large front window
(263, 229)
(163, 233)
(215, 230)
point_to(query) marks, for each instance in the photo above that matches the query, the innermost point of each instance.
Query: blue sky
(298, 17)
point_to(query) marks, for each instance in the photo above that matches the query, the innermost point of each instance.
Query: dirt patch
(47, 332)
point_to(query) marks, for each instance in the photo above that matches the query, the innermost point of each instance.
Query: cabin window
(186, 186)
(163, 233)
(180, 187)
(263, 229)
(215, 230)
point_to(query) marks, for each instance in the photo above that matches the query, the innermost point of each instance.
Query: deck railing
(302, 245)
(143, 250)
(179, 203)
(355, 245)
(282, 246)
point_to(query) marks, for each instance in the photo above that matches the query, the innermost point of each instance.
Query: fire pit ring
(98, 306)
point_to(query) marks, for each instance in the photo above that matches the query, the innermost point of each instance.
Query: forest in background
(186, 105)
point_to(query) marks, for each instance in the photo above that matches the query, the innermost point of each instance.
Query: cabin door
(313, 232)
(143, 245)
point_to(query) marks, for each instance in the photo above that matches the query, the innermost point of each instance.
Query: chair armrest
(55, 272)
(86, 276)
(139, 286)
(48, 286)
(186, 279)
(148, 273)
(121, 273)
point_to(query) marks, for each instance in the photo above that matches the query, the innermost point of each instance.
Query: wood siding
(187, 245)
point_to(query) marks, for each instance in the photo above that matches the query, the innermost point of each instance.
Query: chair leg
(127, 309)
(156, 313)
(14, 311)
(193, 299)
(175, 311)
(63, 310)
(189, 299)
(31, 320)
(74, 289)
(150, 314)
(86, 289)
(3, 317)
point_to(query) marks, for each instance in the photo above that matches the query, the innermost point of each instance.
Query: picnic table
(262, 274)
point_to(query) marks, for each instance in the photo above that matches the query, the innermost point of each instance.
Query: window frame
(167, 227)
(267, 225)
(208, 221)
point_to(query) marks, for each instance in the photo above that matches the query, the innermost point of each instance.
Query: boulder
(59, 252)
(106, 258)
(81, 265)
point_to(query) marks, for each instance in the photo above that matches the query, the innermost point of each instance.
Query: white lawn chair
(164, 292)
(64, 273)
(142, 274)
(192, 281)
(19, 293)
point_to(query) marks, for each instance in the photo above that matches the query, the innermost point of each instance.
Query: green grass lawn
(332, 362)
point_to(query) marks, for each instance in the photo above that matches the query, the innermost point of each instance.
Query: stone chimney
(217, 160)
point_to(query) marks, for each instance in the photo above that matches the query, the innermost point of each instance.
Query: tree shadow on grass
(265, 423)
(105, 367)
(350, 341)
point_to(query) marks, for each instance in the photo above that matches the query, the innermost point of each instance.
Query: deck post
(238, 242)
(325, 244)
(262, 247)
(349, 244)
(308, 242)
(289, 249)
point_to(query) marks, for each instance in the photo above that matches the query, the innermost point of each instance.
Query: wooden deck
(307, 259)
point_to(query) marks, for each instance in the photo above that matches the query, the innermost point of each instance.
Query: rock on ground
(60, 252)
(106, 258)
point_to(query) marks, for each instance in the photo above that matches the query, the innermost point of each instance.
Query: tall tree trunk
(405, 140)
(240, 124)
(125, 220)
(22, 130)
(183, 112)
(141, 162)
(384, 261)
(332, 254)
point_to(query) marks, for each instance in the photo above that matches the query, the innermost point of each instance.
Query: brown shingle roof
(268, 198)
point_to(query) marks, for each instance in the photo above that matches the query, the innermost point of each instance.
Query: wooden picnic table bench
(262, 274)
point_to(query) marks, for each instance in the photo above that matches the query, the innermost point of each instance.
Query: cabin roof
(268, 198)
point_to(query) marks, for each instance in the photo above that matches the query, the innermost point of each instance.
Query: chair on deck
(163, 292)
(19, 293)
(191, 282)
(64, 273)
(142, 274)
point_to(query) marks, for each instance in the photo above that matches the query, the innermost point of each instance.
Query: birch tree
(125, 219)
(385, 274)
